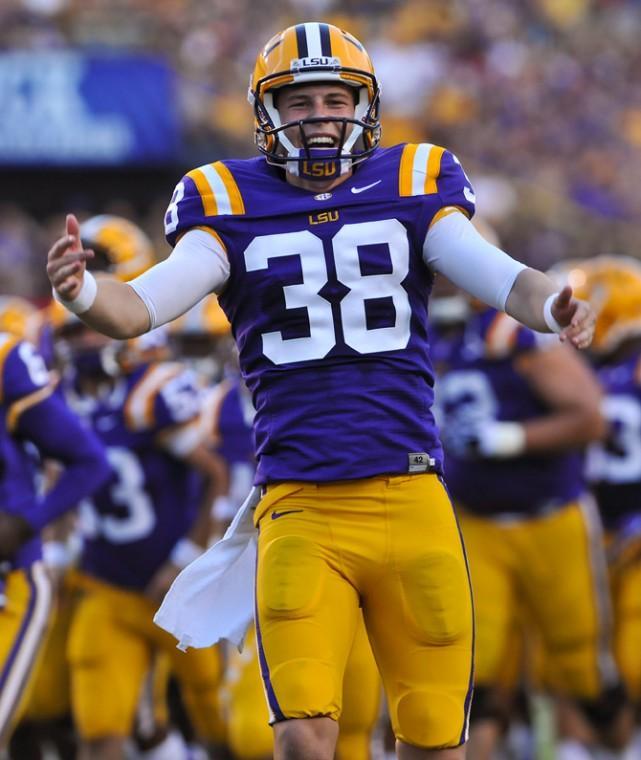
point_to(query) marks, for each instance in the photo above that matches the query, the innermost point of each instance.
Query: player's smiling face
(315, 101)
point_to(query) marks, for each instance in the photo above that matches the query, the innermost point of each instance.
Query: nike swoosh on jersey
(276, 515)
(356, 190)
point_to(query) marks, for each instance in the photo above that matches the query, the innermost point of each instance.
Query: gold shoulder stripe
(26, 402)
(218, 190)
(236, 199)
(139, 406)
(419, 169)
(206, 195)
(443, 212)
(433, 168)
(7, 342)
(405, 170)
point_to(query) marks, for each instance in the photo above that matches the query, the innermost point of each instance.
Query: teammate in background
(516, 413)
(139, 530)
(34, 422)
(124, 250)
(613, 283)
(201, 339)
(323, 256)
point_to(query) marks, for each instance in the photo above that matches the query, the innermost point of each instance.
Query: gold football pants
(111, 649)
(552, 570)
(24, 618)
(392, 546)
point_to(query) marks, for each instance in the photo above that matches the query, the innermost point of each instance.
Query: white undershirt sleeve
(198, 265)
(458, 251)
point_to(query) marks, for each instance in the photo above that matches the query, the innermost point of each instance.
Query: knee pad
(438, 596)
(429, 720)
(602, 711)
(489, 704)
(305, 689)
(291, 577)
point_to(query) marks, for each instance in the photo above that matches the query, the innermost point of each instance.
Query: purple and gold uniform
(522, 517)
(327, 298)
(148, 420)
(614, 470)
(33, 414)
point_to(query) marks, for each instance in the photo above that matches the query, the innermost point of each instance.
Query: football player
(138, 531)
(34, 421)
(613, 283)
(200, 338)
(516, 412)
(323, 252)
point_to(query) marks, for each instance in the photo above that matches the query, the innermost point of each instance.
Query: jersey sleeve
(203, 195)
(430, 170)
(25, 379)
(454, 186)
(177, 414)
(178, 401)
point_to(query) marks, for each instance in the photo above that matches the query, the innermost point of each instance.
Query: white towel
(213, 597)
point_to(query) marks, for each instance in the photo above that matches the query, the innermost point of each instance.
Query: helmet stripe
(301, 41)
(312, 32)
(325, 40)
(273, 46)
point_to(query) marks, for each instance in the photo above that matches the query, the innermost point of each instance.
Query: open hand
(66, 261)
(575, 316)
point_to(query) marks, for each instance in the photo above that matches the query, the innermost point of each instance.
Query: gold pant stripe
(29, 600)
(602, 600)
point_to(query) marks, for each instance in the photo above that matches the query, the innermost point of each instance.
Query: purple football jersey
(478, 381)
(133, 522)
(327, 297)
(234, 424)
(614, 467)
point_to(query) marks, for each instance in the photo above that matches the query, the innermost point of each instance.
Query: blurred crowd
(541, 100)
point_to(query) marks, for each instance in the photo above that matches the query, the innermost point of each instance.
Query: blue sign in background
(72, 109)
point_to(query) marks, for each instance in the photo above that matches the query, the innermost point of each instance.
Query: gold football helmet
(126, 247)
(612, 284)
(306, 54)
(19, 317)
(205, 318)
(201, 338)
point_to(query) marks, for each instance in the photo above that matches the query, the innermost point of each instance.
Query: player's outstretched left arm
(455, 248)
(535, 301)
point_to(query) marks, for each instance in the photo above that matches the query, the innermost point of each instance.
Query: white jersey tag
(420, 462)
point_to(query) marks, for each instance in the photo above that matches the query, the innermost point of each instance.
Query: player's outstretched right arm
(114, 308)
(198, 265)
